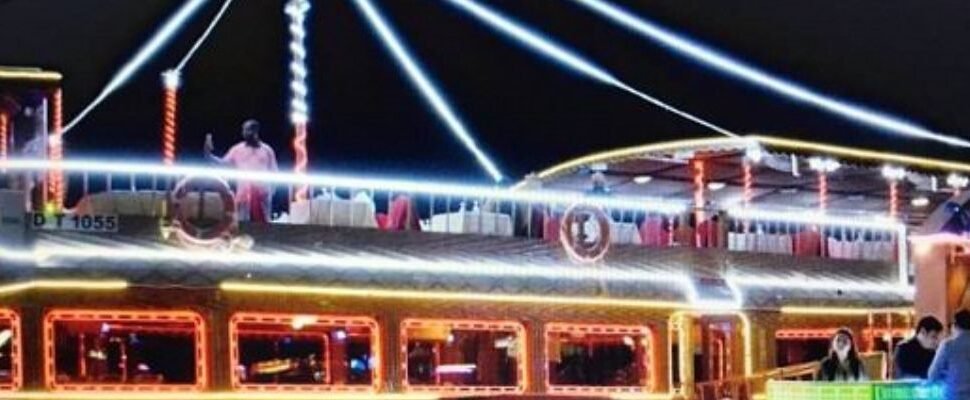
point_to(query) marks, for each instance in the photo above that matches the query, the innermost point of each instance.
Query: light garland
(297, 10)
(170, 80)
(56, 151)
(62, 284)
(144, 54)
(566, 58)
(425, 86)
(450, 267)
(748, 191)
(741, 70)
(4, 139)
(655, 205)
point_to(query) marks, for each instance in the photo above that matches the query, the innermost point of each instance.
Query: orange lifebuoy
(186, 228)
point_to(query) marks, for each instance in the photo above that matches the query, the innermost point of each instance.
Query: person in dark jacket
(843, 363)
(913, 356)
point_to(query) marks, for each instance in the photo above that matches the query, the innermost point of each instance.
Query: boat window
(9, 350)
(597, 358)
(444, 355)
(108, 350)
(279, 351)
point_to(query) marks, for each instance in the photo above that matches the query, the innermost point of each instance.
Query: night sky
(908, 58)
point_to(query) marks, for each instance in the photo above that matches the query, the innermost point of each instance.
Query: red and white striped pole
(299, 110)
(170, 81)
(55, 151)
(4, 134)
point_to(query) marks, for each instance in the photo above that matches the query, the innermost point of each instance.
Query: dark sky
(909, 58)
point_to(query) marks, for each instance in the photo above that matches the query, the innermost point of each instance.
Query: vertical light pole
(893, 175)
(297, 10)
(824, 167)
(171, 80)
(55, 179)
(4, 134)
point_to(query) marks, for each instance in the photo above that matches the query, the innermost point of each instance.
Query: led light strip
(170, 81)
(135, 395)
(828, 311)
(564, 57)
(803, 282)
(393, 185)
(297, 11)
(63, 284)
(55, 176)
(424, 84)
(875, 222)
(247, 287)
(145, 53)
(348, 262)
(387, 264)
(741, 70)
(30, 74)
(4, 130)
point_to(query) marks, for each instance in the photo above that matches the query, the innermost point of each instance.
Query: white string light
(421, 80)
(649, 204)
(297, 10)
(161, 37)
(569, 59)
(741, 70)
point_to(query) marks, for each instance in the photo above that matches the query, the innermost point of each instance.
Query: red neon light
(748, 183)
(698, 200)
(50, 357)
(321, 320)
(467, 325)
(649, 362)
(4, 140)
(55, 177)
(170, 104)
(827, 333)
(301, 162)
(16, 379)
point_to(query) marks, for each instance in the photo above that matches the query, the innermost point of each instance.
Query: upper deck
(762, 241)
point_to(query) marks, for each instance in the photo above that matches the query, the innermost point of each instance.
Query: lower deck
(86, 341)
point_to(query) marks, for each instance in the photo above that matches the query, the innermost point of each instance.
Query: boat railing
(412, 204)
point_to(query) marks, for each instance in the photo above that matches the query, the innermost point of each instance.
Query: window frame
(600, 329)
(16, 353)
(468, 325)
(59, 315)
(377, 376)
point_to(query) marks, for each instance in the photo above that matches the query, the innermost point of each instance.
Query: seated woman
(843, 363)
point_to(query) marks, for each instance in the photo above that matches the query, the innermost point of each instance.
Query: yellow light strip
(847, 152)
(638, 150)
(459, 296)
(63, 284)
(30, 74)
(213, 396)
(871, 155)
(845, 311)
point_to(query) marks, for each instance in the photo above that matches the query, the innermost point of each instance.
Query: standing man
(951, 366)
(914, 355)
(251, 154)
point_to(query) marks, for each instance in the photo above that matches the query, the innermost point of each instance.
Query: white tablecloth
(624, 233)
(861, 250)
(482, 223)
(761, 243)
(334, 212)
